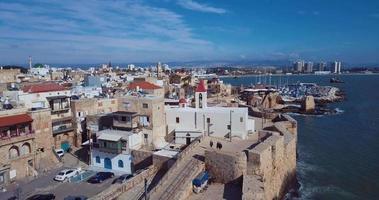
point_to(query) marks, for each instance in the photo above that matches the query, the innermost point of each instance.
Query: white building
(88, 92)
(188, 123)
(337, 67)
(112, 150)
(41, 71)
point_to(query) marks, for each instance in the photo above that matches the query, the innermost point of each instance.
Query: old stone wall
(142, 159)
(225, 167)
(272, 162)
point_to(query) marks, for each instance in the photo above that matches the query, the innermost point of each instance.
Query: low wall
(116, 190)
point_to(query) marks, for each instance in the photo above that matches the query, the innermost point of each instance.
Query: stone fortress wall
(271, 164)
(267, 167)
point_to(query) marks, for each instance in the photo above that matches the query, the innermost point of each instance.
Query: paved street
(46, 184)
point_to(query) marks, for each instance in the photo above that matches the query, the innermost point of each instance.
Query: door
(65, 146)
(188, 139)
(107, 163)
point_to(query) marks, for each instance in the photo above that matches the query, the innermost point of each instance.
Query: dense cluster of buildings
(109, 112)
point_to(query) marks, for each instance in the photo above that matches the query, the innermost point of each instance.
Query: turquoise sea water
(338, 154)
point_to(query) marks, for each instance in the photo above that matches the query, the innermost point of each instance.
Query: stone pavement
(178, 180)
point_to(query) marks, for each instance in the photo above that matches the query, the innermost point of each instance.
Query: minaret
(201, 95)
(159, 67)
(30, 64)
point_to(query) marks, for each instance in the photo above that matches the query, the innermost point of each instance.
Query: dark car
(76, 198)
(100, 177)
(122, 179)
(42, 197)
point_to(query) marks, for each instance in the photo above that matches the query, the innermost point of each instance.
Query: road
(46, 184)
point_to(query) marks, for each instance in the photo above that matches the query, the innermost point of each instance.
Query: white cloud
(193, 5)
(98, 30)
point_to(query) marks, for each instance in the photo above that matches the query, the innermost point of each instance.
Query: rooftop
(144, 85)
(43, 87)
(113, 135)
(14, 119)
(201, 87)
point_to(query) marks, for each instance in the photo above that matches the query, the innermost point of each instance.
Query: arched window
(120, 164)
(25, 149)
(13, 152)
(97, 159)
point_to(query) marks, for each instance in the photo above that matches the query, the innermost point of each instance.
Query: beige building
(57, 98)
(25, 143)
(150, 116)
(9, 75)
(84, 107)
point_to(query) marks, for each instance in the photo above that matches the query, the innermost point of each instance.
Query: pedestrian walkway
(178, 180)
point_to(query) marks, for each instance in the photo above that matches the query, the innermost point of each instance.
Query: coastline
(254, 75)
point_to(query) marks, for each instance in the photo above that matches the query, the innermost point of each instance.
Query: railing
(60, 110)
(63, 129)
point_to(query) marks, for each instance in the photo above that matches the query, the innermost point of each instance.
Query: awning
(14, 120)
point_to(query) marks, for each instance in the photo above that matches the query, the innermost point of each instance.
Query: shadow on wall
(233, 190)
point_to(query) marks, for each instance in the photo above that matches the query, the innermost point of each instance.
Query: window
(208, 120)
(177, 120)
(2, 177)
(120, 164)
(25, 149)
(228, 126)
(97, 159)
(100, 104)
(241, 119)
(145, 105)
(13, 152)
(200, 100)
(123, 118)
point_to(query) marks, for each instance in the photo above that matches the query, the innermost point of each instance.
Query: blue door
(65, 146)
(107, 163)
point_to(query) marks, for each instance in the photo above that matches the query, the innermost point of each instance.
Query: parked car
(76, 198)
(41, 197)
(100, 177)
(122, 179)
(66, 174)
(60, 152)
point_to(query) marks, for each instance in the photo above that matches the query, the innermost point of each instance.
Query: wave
(310, 192)
(338, 110)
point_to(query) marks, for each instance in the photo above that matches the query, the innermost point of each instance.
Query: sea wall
(271, 164)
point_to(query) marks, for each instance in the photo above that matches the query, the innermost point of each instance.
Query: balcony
(16, 137)
(62, 129)
(60, 110)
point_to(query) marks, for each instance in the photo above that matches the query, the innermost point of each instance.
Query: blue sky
(74, 31)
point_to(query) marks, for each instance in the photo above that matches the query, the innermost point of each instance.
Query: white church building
(188, 123)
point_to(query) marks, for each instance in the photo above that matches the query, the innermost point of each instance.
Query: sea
(338, 154)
